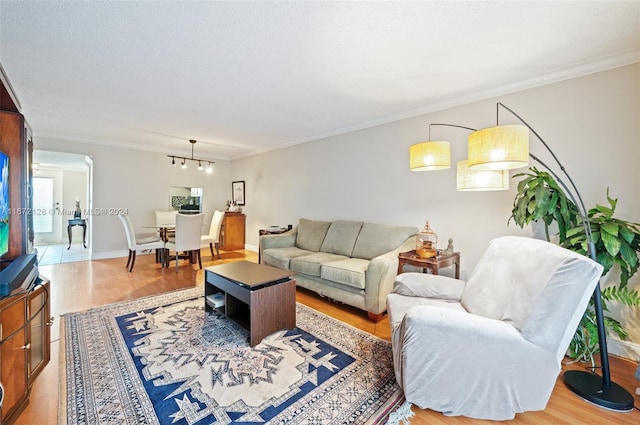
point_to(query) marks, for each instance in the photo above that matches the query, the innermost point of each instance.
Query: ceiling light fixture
(198, 160)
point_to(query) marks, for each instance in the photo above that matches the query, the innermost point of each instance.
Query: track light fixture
(184, 159)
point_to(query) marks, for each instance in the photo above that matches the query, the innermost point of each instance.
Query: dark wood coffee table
(260, 298)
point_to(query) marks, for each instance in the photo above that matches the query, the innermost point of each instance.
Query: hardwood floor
(81, 285)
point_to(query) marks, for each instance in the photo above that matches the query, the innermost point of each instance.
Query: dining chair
(166, 219)
(213, 238)
(187, 239)
(139, 242)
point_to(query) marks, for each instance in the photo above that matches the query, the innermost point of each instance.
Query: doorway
(61, 181)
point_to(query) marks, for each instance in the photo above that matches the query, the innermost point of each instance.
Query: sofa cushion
(341, 237)
(377, 239)
(310, 264)
(350, 272)
(311, 234)
(280, 257)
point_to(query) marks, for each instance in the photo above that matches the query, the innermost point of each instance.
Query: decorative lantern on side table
(426, 242)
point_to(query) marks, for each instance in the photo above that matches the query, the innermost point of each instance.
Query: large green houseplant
(617, 242)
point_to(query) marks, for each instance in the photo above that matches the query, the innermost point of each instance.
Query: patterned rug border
(181, 295)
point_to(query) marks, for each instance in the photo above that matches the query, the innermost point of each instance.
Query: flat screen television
(4, 204)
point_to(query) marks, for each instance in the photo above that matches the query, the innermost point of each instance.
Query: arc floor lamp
(497, 150)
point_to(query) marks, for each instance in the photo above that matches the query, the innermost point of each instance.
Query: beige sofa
(349, 261)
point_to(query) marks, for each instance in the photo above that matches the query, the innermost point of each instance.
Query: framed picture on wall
(237, 192)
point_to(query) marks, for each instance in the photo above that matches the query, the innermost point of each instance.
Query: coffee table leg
(265, 319)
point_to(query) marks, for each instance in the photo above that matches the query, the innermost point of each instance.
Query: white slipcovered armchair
(491, 347)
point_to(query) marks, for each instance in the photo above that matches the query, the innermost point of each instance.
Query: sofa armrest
(380, 276)
(280, 240)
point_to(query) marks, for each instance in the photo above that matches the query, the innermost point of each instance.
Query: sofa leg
(375, 317)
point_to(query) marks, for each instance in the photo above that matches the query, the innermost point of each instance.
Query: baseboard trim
(109, 254)
(628, 350)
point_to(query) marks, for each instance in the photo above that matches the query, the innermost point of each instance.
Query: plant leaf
(611, 243)
(610, 227)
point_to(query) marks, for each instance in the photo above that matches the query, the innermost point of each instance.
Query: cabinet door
(233, 231)
(13, 356)
(39, 330)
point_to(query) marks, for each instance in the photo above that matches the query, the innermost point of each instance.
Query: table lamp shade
(429, 156)
(471, 180)
(499, 148)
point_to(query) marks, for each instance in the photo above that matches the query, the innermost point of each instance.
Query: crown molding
(602, 64)
(120, 144)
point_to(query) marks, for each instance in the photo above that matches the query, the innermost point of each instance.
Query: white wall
(139, 182)
(591, 123)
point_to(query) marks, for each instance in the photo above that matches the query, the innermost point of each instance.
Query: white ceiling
(247, 77)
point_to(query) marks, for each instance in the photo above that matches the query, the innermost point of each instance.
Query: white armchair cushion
(429, 286)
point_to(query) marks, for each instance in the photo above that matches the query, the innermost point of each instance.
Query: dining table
(164, 230)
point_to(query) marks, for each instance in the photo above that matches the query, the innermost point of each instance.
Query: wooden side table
(433, 264)
(269, 231)
(272, 231)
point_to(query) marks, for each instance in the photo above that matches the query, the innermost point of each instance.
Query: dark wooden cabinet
(16, 142)
(13, 142)
(25, 340)
(233, 231)
(25, 335)
(13, 356)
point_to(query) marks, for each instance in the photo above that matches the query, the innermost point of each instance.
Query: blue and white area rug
(164, 360)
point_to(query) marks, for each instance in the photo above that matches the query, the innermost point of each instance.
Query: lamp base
(590, 387)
